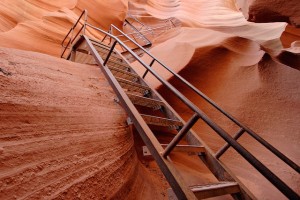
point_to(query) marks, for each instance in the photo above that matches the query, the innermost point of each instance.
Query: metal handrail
(268, 174)
(210, 101)
(145, 32)
(166, 20)
(149, 43)
(64, 48)
(141, 32)
(135, 29)
(278, 183)
(141, 23)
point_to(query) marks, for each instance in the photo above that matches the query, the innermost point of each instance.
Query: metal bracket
(116, 99)
(157, 107)
(146, 151)
(146, 93)
(129, 121)
(135, 79)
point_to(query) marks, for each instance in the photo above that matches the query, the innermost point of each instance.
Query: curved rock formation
(62, 134)
(36, 24)
(63, 137)
(219, 15)
(275, 11)
(241, 77)
(265, 96)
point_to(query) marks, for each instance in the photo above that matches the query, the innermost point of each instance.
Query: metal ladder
(153, 118)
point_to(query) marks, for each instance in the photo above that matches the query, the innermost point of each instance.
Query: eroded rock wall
(62, 136)
(40, 26)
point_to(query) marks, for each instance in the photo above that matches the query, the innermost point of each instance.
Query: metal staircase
(152, 117)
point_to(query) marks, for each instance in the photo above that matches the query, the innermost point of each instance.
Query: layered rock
(275, 11)
(62, 134)
(39, 25)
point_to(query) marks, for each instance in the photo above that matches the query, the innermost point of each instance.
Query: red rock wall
(36, 24)
(275, 11)
(62, 136)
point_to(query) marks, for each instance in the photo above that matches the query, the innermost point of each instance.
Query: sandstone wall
(62, 136)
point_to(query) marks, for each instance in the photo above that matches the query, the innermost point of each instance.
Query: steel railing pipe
(180, 135)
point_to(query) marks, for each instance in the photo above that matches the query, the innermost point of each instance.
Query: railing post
(146, 72)
(72, 34)
(226, 146)
(85, 21)
(110, 52)
(180, 135)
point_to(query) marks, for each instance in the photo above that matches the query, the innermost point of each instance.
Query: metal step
(215, 189)
(159, 121)
(104, 52)
(114, 58)
(122, 65)
(187, 148)
(132, 86)
(146, 102)
(137, 51)
(117, 72)
(84, 58)
(99, 43)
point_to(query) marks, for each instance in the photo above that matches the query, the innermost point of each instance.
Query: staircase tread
(187, 148)
(94, 42)
(133, 83)
(210, 186)
(144, 101)
(121, 66)
(160, 121)
(114, 56)
(123, 71)
(215, 189)
(84, 58)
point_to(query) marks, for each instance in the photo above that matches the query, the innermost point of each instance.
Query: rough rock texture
(275, 11)
(62, 134)
(63, 137)
(40, 25)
